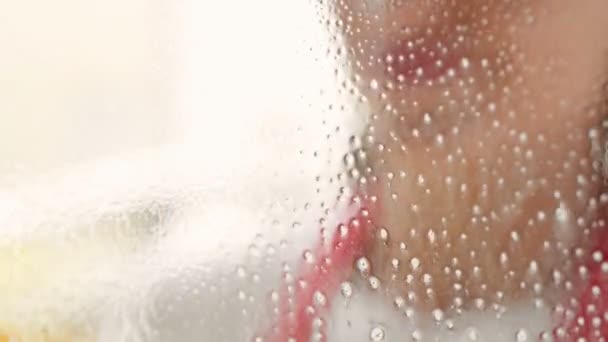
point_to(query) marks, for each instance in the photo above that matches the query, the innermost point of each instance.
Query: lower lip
(422, 63)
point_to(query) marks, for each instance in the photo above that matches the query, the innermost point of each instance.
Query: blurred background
(158, 161)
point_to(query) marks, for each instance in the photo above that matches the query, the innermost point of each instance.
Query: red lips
(423, 60)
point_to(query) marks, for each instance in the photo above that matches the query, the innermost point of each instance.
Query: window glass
(332, 170)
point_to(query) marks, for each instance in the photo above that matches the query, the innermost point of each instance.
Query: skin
(485, 166)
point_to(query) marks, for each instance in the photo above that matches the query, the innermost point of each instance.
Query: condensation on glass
(331, 170)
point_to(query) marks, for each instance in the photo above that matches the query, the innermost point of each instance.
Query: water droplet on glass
(363, 266)
(377, 334)
(346, 289)
(319, 299)
(472, 334)
(521, 335)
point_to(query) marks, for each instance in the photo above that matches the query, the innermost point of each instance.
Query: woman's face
(483, 141)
